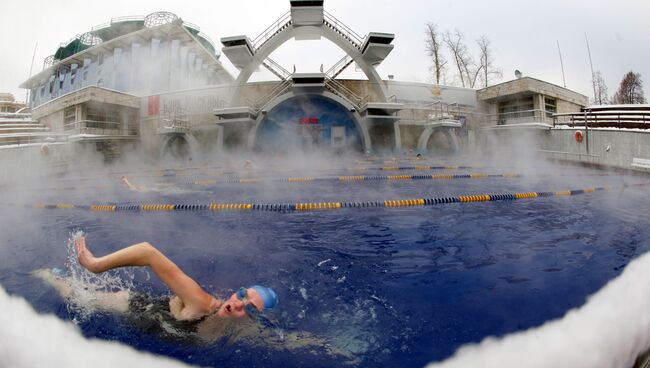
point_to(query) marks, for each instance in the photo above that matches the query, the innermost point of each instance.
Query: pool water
(391, 286)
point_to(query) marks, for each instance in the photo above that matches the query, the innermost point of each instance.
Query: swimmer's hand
(85, 256)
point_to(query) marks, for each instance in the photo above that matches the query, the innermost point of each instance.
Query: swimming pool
(393, 286)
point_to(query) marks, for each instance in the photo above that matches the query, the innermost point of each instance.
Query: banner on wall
(154, 105)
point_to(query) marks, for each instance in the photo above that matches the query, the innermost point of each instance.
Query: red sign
(308, 121)
(154, 105)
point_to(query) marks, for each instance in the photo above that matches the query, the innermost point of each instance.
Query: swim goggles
(251, 310)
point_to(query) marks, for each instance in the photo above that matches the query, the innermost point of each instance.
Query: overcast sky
(523, 33)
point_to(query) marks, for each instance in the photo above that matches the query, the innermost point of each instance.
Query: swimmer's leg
(115, 302)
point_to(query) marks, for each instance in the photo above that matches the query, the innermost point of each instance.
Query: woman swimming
(192, 312)
(190, 301)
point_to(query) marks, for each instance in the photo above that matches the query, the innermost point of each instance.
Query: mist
(29, 339)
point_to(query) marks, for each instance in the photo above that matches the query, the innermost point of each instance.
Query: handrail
(274, 92)
(85, 122)
(115, 20)
(104, 127)
(286, 74)
(345, 92)
(191, 25)
(355, 37)
(637, 119)
(337, 68)
(537, 115)
(271, 30)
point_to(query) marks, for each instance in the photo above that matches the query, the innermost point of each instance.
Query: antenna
(593, 81)
(562, 63)
(518, 74)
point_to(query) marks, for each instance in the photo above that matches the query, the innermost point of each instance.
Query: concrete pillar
(398, 137)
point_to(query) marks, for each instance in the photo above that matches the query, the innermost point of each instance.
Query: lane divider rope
(314, 206)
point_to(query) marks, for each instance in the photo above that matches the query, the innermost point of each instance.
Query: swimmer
(190, 301)
(136, 188)
(165, 188)
(191, 312)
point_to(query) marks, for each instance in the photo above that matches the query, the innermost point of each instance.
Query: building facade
(156, 82)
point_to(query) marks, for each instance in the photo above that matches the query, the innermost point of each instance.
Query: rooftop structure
(141, 55)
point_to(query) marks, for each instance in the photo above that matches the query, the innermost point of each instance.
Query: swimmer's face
(235, 306)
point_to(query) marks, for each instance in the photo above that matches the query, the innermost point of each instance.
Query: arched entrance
(179, 146)
(306, 123)
(439, 140)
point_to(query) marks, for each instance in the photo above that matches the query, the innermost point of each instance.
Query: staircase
(18, 129)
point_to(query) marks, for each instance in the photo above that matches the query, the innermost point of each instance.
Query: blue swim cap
(269, 297)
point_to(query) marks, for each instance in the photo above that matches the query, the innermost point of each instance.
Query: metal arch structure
(363, 130)
(277, 40)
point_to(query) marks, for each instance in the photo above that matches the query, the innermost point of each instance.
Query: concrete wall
(607, 147)
(624, 145)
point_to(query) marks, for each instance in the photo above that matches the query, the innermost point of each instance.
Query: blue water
(395, 287)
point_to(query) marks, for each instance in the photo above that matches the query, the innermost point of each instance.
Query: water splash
(87, 286)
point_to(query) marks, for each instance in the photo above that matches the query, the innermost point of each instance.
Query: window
(550, 106)
(100, 58)
(103, 117)
(69, 116)
(514, 110)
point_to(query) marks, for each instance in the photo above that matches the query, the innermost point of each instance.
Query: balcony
(98, 130)
(542, 119)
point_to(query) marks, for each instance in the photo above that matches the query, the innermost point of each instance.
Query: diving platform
(235, 115)
(239, 50)
(306, 13)
(376, 47)
(308, 82)
(381, 112)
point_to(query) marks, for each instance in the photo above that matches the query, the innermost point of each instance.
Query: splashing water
(86, 286)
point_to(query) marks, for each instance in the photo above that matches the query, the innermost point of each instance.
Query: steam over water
(390, 287)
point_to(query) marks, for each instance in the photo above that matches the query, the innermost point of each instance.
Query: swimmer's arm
(300, 340)
(59, 284)
(196, 302)
(131, 186)
(114, 302)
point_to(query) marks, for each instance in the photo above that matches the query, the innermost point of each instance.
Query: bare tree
(486, 64)
(600, 88)
(458, 51)
(630, 91)
(434, 50)
(468, 71)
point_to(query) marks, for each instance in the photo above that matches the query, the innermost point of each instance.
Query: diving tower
(308, 20)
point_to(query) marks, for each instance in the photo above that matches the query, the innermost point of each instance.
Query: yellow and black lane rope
(314, 206)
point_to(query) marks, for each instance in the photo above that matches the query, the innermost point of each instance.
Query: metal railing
(520, 117)
(276, 69)
(346, 31)
(31, 138)
(344, 92)
(116, 20)
(442, 110)
(271, 30)
(276, 91)
(610, 118)
(340, 65)
(108, 128)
